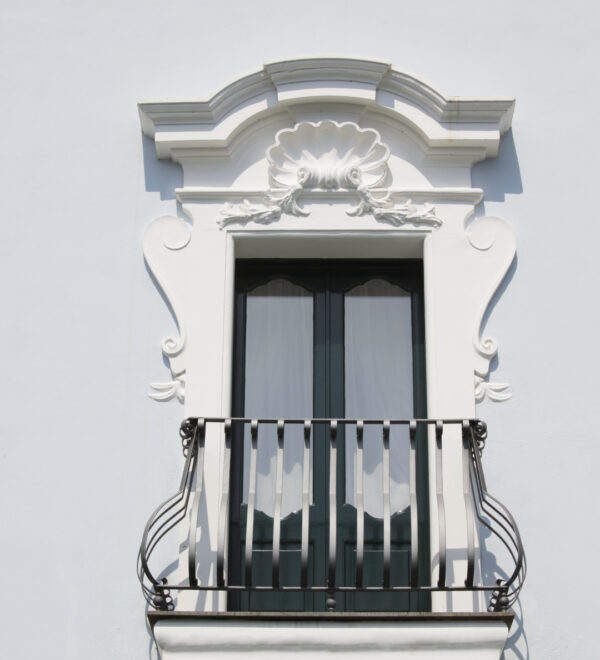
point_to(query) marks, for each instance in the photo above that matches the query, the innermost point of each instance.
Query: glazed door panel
(325, 339)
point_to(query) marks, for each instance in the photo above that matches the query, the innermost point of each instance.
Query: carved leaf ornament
(328, 156)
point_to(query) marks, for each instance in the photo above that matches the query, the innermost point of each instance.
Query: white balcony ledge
(234, 635)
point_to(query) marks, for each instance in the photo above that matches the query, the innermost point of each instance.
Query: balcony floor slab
(423, 636)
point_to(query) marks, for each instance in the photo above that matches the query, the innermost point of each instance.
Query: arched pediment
(450, 129)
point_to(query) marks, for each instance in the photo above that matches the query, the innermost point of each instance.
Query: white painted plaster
(83, 323)
(383, 641)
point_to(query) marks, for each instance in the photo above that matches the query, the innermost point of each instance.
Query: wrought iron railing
(479, 507)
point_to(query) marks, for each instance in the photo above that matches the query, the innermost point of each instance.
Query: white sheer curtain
(379, 384)
(279, 383)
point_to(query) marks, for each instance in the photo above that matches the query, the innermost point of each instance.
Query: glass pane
(279, 383)
(378, 384)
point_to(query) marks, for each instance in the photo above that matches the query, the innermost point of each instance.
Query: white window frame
(431, 141)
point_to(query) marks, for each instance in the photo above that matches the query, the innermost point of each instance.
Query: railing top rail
(328, 420)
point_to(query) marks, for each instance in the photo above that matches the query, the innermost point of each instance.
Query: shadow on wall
(497, 177)
(510, 273)
(161, 176)
(168, 305)
(501, 175)
(517, 646)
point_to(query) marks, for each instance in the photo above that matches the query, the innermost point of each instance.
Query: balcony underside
(195, 635)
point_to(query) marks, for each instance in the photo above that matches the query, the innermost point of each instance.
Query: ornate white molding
(265, 213)
(328, 156)
(167, 391)
(363, 79)
(163, 240)
(448, 126)
(192, 194)
(328, 169)
(491, 235)
(493, 391)
(384, 209)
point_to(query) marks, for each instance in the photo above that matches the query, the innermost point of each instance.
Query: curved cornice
(442, 125)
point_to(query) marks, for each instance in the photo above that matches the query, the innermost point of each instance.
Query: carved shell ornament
(328, 156)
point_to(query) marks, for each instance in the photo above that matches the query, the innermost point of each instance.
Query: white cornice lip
(174, 112)
(436, 119)
(326, 76)
(191, 194)
(246, 87)
(360, 72)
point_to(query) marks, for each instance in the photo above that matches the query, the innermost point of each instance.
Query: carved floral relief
(328, 156)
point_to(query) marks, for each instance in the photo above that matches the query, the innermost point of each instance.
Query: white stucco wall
(85, 455)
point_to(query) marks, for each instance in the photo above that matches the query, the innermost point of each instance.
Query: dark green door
(327, 339)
